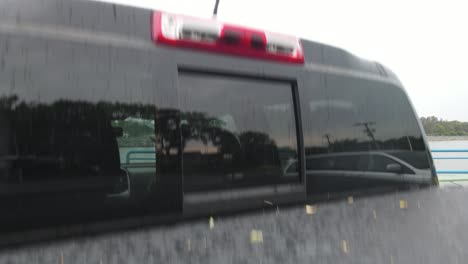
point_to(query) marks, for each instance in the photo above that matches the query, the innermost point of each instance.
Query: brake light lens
(214, 36)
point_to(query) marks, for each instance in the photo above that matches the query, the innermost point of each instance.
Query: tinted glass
(360, 134)
(359, 116)
(85, 140)
(236, 131)
(77, 157)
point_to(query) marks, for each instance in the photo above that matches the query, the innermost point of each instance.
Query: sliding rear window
(236, 131)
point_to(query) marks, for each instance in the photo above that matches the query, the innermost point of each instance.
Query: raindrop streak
(211, 222)
(345, 246)
(403, 204)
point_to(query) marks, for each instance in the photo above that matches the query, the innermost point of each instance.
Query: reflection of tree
(250, 148)
(121, 111)
(67, 119)
(115, 111)
(200, 126)
(194, 126)
(72, 136)
(348, 145)
(7, 102)
(167, 123)
(258, 148)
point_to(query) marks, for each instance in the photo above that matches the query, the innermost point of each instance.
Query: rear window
(236, 131)
(358, 116)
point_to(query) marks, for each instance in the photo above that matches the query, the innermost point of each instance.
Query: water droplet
(211, 222)
(403, 204)
(256, 236)
(311, 209)
(345, 244)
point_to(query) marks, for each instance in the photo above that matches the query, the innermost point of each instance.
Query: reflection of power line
(369, 131)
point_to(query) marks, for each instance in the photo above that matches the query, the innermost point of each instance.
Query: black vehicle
(113, 112)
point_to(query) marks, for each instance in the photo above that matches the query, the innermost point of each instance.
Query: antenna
(215, 10)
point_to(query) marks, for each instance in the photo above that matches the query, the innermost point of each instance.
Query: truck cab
(120, 113)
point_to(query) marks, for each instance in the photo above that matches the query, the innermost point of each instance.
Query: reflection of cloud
(317, 105)
(278, 107)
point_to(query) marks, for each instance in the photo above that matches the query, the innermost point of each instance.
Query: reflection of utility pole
(327, 136)
(215, 10)
(369, 131)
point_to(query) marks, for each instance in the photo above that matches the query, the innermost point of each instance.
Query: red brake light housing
(214, 36)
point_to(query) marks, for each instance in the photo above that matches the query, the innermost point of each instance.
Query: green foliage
(439, 127)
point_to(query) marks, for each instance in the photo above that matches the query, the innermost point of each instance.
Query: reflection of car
(373, 165)
(121, 188)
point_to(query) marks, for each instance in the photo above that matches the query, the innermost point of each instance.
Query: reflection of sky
(199, 147)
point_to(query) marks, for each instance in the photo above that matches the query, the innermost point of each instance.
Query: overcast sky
(424, 42)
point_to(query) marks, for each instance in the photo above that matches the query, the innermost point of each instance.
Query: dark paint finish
(430, 231)
(79, 14)
(105, 129)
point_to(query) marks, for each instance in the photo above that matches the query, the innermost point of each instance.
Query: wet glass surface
(361, 126)
(83, 141)
(72, 160)
(236, 131)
